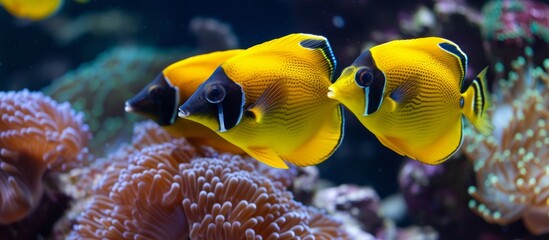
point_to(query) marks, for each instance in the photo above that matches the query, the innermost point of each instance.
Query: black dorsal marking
(326, 49)
(454, 50)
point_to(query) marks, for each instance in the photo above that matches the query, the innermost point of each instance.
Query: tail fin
(476, 103)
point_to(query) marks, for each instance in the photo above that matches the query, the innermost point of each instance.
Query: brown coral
(169, 190)
(512, 167)
(36, 135)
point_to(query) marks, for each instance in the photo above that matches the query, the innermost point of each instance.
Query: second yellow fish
(412, 94)
(271, 101)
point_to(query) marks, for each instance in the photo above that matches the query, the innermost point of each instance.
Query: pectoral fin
(273, 97)
(267, 156)
(403, 94)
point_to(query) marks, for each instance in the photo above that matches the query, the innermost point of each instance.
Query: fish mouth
(157, 101)
(183, 113)
(128, 107)
(332, 93)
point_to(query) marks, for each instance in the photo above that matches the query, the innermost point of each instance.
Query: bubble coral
(37, 136)
(162, 188)
(512, 166)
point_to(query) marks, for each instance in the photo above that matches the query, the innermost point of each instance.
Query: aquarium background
(97, 54)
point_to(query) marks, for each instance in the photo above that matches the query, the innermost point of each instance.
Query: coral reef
(37, 137)
(99, 89)
(511, 166)
(436, 195)
(511, 25)
(162, 188)
(446, 8)
(357, 206)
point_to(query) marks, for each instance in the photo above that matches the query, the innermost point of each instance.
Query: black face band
(158, 100)
(374, 91)
(218, 97)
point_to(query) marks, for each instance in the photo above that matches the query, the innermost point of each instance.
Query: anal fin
(391, 144)
(444, 146)
(267, 156)
(323, 143)
(434, 151)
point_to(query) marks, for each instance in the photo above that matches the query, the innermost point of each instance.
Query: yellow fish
(412, 94)
(160, 99)
(271, 101)
(32, 9)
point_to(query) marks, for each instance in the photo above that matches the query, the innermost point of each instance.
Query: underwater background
(95, 55)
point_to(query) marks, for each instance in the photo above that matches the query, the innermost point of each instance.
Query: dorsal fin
(308, 47)
(189, 73)
(434, 50)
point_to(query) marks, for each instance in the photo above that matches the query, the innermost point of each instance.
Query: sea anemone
(262, 209)
(161, 187)
(512, 166)
(37, 135)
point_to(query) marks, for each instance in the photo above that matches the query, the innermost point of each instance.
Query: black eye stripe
(158, 100)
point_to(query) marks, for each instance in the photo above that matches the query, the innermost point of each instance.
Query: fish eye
(155, 93)
(215, 93)
(364, 77)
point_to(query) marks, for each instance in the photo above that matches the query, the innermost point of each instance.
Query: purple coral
(511, 25)
(358, 206)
